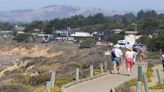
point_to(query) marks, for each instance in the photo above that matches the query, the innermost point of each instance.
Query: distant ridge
(52, 12)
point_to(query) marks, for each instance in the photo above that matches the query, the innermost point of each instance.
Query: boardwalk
(105, 83)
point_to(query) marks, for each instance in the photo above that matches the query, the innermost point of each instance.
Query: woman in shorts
(129, 56)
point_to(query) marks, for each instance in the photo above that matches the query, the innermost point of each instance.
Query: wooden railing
(78, 74)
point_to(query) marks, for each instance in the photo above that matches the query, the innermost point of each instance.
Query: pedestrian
(117, 55)
(129, 56)
(141, 53)
(162, 59)
(135, 56)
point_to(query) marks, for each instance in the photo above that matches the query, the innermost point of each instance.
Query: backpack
(113, 54)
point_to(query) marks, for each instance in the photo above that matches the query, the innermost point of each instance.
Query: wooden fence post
(146, 83)
(77, 74)
(159, 78)
(47, 86)
(105, 65)
(139, 72)
(91, 70)
(102, 69)
(138, 88)
(52, 82)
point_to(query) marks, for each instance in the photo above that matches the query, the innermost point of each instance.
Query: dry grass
(71, 58)
(46, 67)
(13, 88)
(125, 87)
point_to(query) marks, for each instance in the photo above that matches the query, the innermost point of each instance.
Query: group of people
(129, 55)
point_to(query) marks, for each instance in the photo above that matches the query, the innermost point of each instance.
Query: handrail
(77, 73)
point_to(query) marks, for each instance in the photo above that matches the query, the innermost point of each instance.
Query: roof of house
(117, 30)
(81, 34)
(131, 32)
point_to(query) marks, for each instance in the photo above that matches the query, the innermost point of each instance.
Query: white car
(121, 43)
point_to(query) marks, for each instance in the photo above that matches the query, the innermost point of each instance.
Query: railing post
(105, 65)
(102, 69)
(138, 88)
(47, 86)
(146, 83)
(52, 82)
(159, 78)
(91, 70)
(77, 74)
(139, 73)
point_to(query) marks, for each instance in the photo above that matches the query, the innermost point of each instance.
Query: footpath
(105, 83)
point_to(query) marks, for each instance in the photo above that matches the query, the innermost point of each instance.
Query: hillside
(51, 12)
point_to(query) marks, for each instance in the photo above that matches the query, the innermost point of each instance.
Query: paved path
(105, 83)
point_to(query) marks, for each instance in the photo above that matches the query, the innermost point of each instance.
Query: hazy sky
(129, 5)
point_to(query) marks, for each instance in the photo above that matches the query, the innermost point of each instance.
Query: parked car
(121, 43)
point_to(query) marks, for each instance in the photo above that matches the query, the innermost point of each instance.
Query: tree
(150, 25)
(36, 25)
(25, 37)
(87, 43)
(115, 37)
(159, 42)
(153, 44)
(140, 15)
(128, 19)
(6, 26)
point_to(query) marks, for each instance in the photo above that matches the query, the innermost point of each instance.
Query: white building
(81, 35)
(129, 39)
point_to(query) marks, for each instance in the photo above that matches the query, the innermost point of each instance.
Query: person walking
(116, 58)
(141, 53)
(162, 59)
(130, 57)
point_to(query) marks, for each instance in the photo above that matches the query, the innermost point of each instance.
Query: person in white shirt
(117, 58)
(162, 59)
(130, 59)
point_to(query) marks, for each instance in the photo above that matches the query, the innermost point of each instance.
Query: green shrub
(24, 37)
(133, 82)
(87, 43)
(20, 79)
(62, 81)
(153, 55)
(157, 87)
(38, 80)
(58, 89)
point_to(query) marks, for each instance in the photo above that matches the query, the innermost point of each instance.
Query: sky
(123, 5)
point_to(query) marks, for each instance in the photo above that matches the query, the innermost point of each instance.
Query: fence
(77, 75)
(142, 78)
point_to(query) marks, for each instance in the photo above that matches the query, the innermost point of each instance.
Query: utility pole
(135, 26)
(54, 29)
